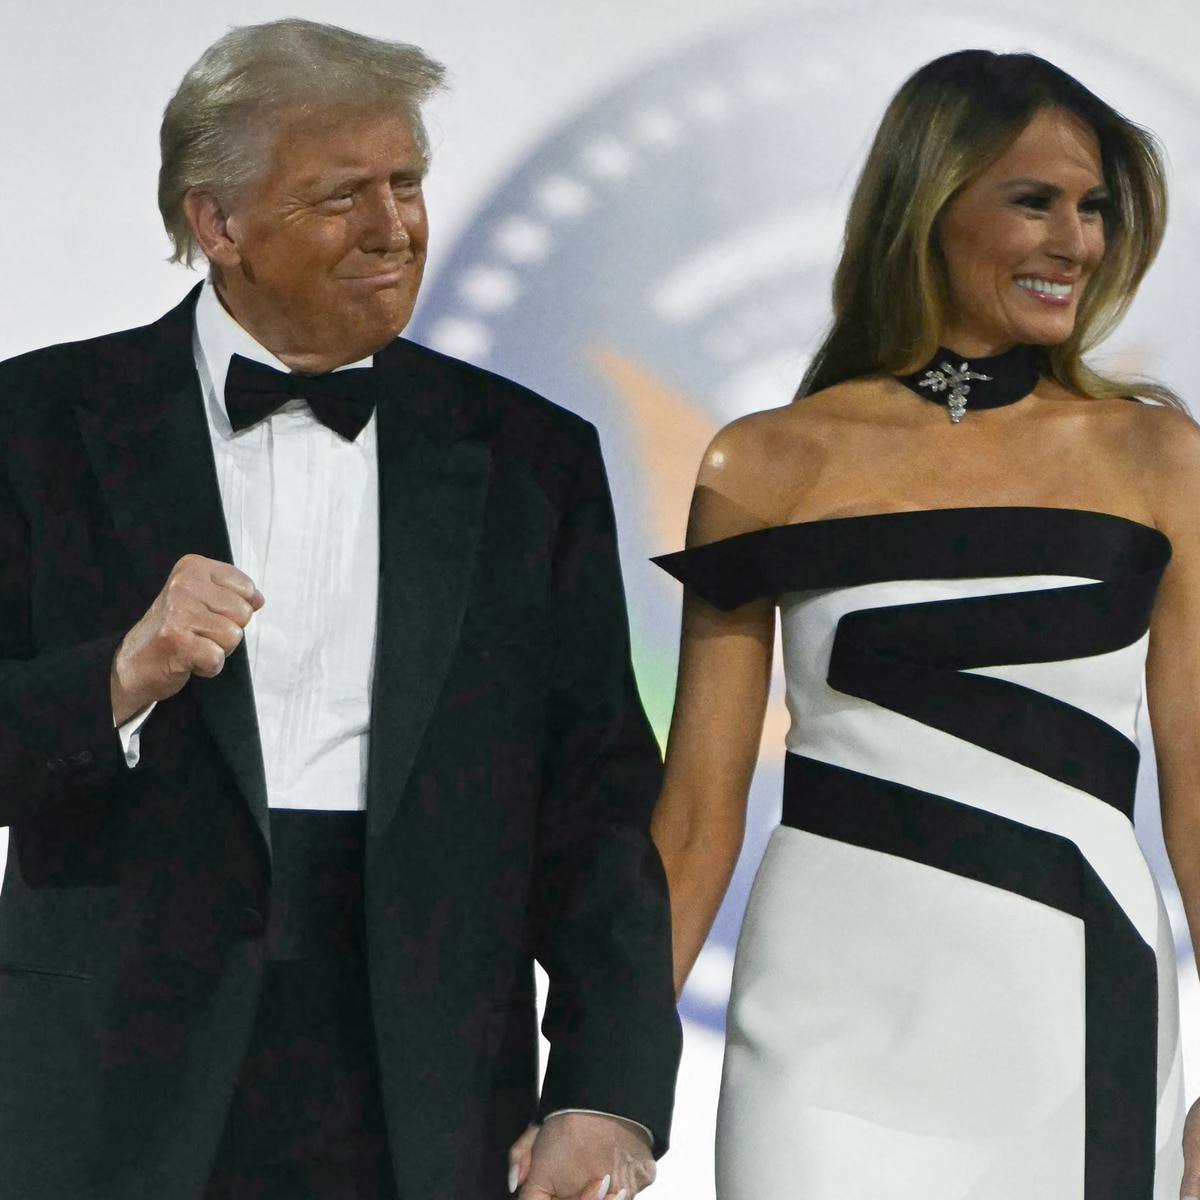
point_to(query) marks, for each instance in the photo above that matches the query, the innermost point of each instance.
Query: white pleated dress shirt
(302, 509)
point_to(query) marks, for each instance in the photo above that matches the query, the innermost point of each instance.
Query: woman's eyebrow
(1052, 189)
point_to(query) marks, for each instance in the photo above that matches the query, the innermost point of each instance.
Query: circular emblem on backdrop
(661, 265)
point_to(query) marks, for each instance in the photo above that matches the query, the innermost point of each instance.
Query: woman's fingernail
(621, 1194)
(602, 1190)
(514, 1173)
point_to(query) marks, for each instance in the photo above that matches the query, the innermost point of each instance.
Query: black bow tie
(341, 400)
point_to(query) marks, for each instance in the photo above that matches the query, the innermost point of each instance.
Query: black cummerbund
(317, 885)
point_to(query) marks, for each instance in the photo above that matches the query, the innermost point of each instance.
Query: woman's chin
(1050, 329)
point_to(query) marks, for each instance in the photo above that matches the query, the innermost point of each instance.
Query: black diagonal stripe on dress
(943, 543)
(1047, 735)
(1120, 971)
(910, 658)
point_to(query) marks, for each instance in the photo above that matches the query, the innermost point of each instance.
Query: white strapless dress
(955, 979)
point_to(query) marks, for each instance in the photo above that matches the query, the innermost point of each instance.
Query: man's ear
(210, 227)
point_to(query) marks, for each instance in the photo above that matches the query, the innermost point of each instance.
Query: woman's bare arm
(1173, 665)
(720, 696)
(1173, 686)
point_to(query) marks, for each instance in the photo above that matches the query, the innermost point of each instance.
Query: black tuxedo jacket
(511, 777)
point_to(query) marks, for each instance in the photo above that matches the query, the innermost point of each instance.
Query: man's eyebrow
(348, 182)
(331, 183)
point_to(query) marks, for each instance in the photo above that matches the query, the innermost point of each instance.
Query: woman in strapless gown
(955, 979)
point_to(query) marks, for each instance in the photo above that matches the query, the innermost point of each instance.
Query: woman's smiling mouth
(1048, 290)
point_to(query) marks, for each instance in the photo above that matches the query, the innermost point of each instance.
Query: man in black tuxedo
(317, 721)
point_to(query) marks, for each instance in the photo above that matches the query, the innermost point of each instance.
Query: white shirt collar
(218, 337)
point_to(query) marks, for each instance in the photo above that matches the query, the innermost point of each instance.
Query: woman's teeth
(1032, 284)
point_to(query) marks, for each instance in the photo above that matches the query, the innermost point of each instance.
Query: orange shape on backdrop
(672, 435)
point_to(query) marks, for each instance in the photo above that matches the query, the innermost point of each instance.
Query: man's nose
(383, 227)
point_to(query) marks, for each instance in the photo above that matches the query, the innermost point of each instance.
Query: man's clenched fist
(194, 623)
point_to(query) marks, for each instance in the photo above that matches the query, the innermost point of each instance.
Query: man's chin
(374, 331)
(388, 312)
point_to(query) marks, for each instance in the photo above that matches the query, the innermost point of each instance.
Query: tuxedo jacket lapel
(434, 458)
(147, 438)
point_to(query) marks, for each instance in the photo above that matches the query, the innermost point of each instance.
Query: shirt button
(252, 923)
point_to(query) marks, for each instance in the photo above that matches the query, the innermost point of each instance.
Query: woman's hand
(520, 1156)
(1189, 1189)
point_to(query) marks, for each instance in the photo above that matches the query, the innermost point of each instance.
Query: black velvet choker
(951, 380)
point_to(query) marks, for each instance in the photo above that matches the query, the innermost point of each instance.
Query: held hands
(581, 1156)
(195, 622)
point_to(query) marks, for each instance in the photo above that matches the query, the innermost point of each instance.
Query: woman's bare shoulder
(755, 467)
(1155, 450)
(1164, 440)
(1165, 445)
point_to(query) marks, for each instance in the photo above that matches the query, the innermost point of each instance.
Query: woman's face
(1022, 239)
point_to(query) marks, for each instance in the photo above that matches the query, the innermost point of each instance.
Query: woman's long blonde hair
(948, 122)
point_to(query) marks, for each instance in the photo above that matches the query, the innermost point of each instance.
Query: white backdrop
(81, 250)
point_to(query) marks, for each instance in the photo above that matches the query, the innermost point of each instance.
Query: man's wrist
(633, 1126)
(124, 708)
(128, 702)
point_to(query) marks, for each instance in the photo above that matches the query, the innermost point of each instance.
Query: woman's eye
(1037, 203)
(1094, 207)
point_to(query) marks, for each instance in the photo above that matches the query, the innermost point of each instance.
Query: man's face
(326, 247)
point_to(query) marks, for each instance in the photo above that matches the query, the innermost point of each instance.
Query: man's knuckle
(169, 642)
(178, 586)
(209, 657)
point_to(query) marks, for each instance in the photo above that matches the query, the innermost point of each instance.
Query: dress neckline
(987, 541)
(960, 509)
